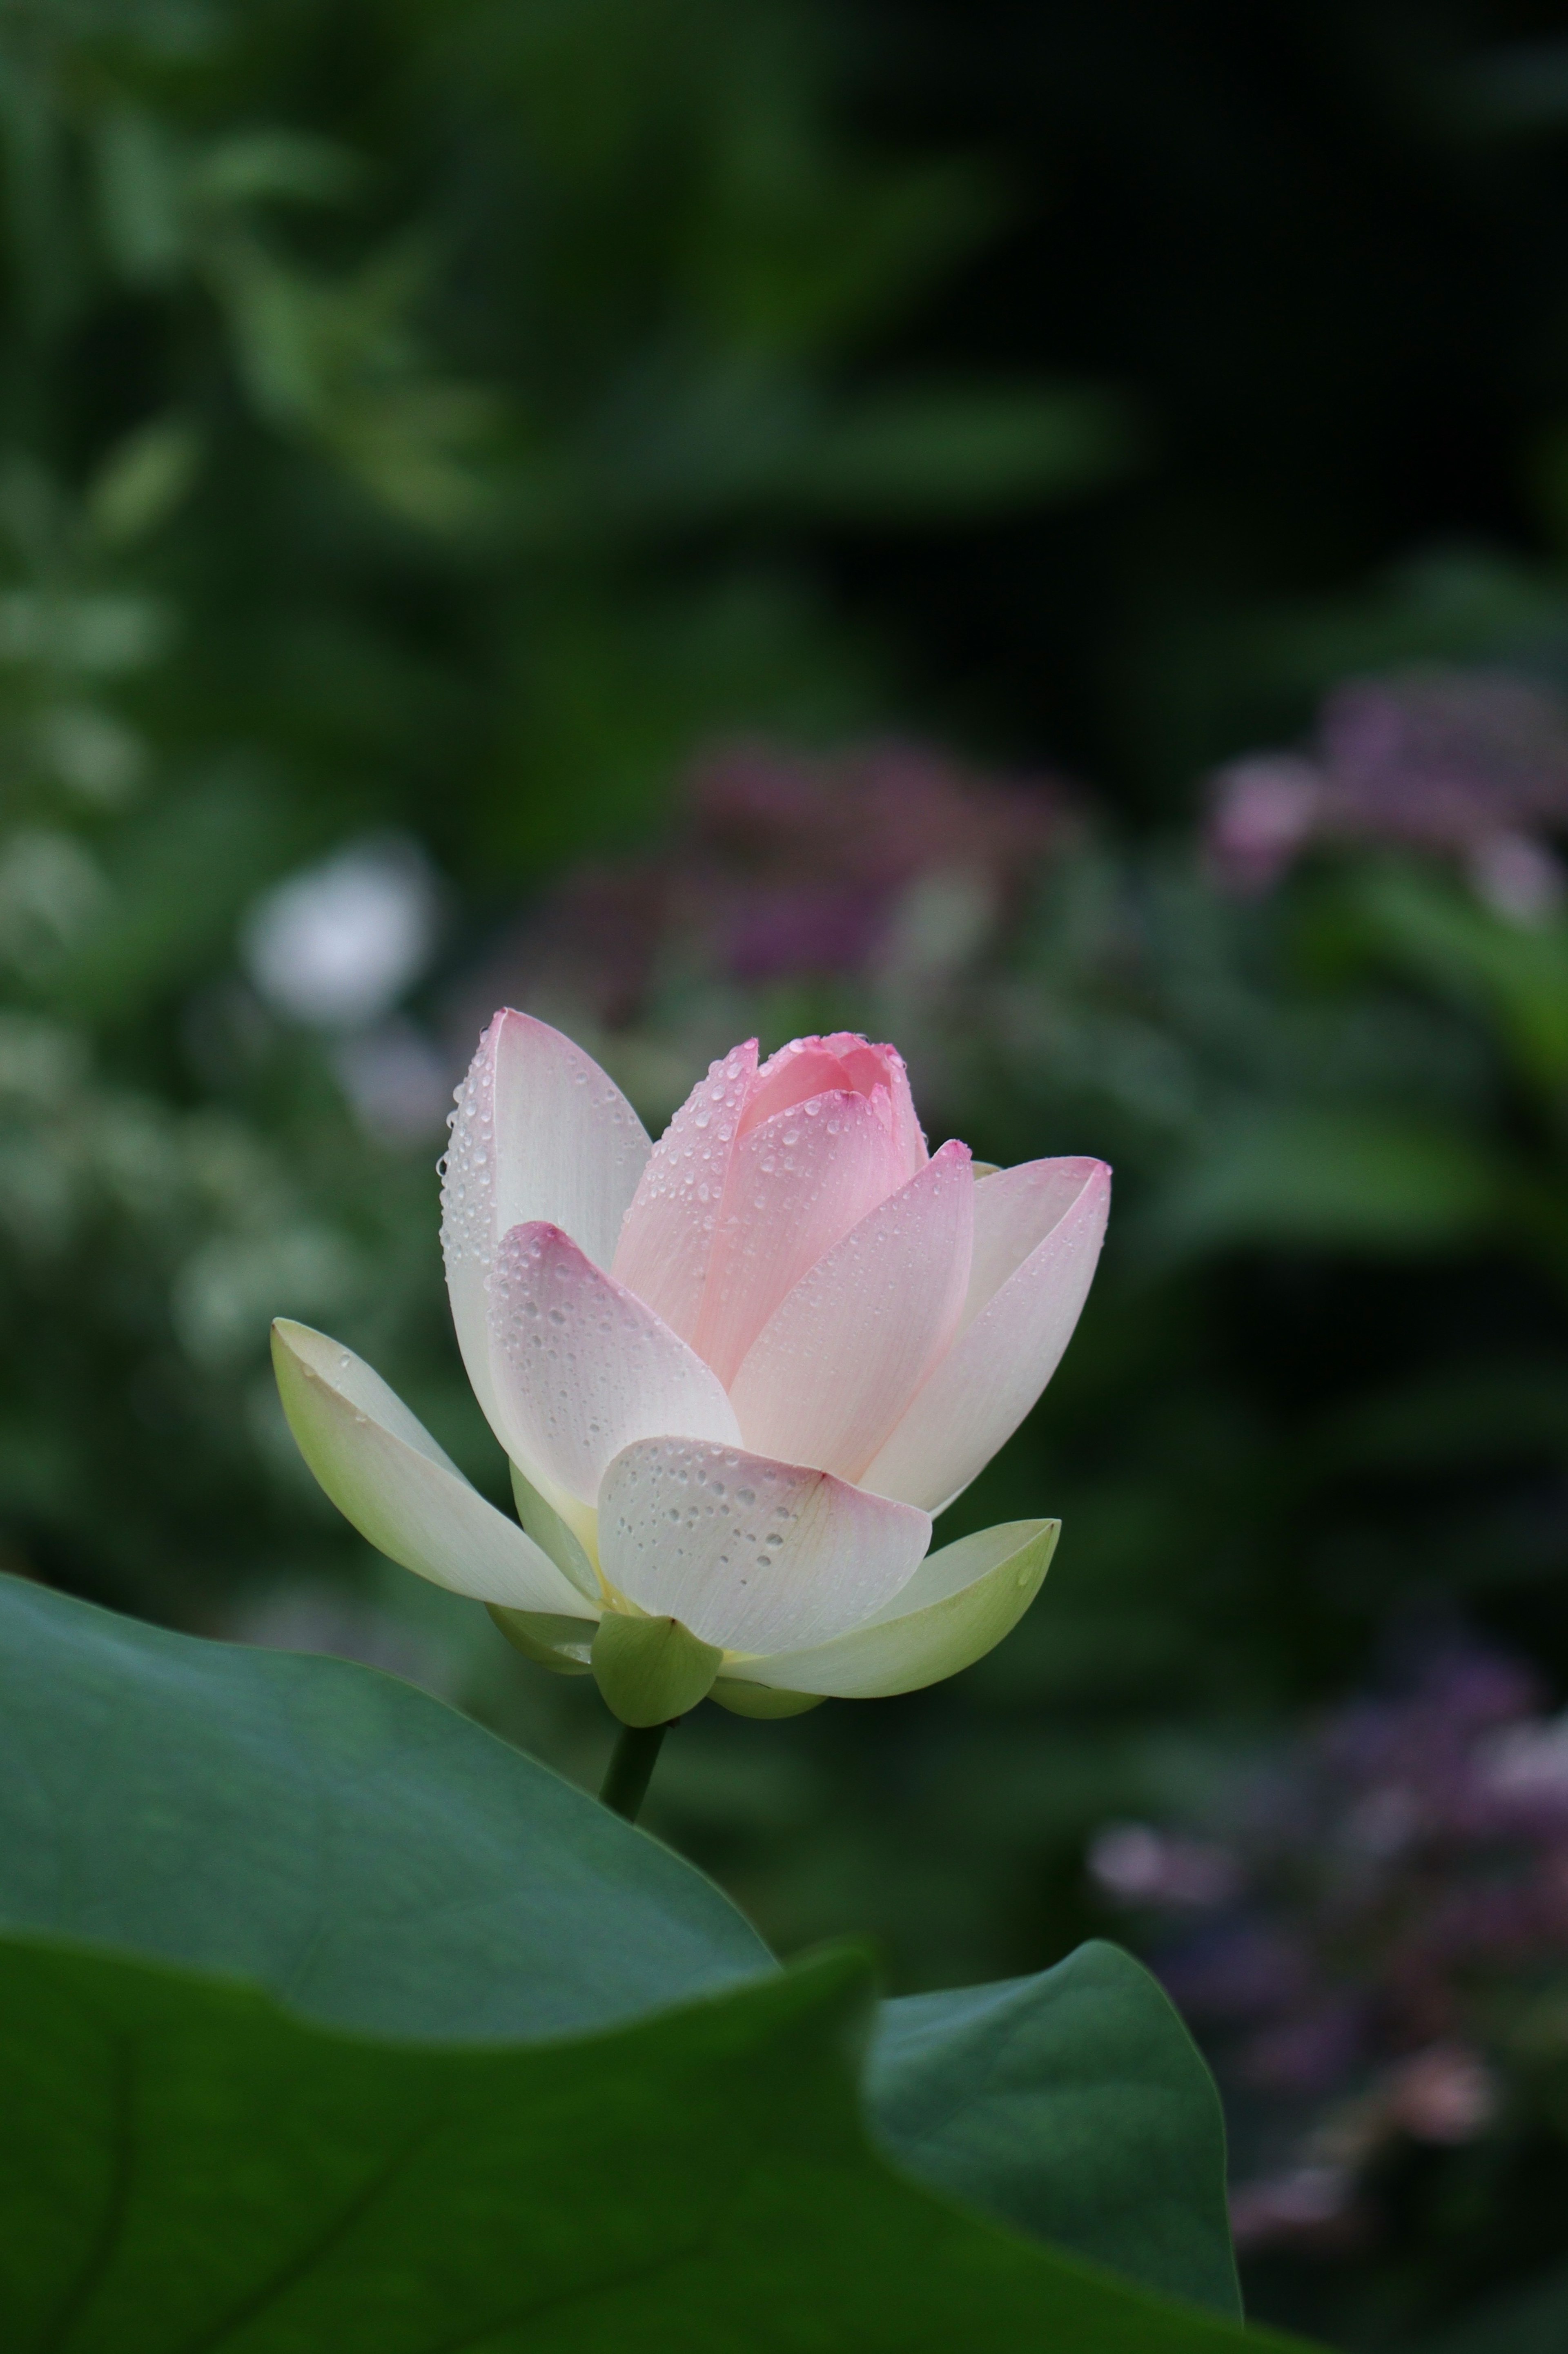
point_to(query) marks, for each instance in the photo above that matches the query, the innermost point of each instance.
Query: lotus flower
(736, 1373)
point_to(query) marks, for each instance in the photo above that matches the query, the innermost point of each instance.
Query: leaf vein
(111, 2221)
(298, 2267)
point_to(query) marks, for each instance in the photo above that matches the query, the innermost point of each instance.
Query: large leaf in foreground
(376, 1862)
(330, 1833)
(184, 2165)
(1073, 2104)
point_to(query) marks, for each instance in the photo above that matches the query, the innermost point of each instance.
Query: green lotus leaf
(187, 2164)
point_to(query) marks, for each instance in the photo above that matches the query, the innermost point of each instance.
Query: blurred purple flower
(1303, 2049)
(1341, 1930)
(807, 860)
(1470, 765)
(1239, 1967)
(786, 865)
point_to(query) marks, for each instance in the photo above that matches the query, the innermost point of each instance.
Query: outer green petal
(546, 1523)
(650, 1671)
(763, 1700)
(562, 1645)
(387, 1474)
(957, 1605)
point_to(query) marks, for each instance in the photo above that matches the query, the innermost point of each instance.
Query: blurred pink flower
(1470, 765)
(1445, 2093)
(817, 853)
(785, 865)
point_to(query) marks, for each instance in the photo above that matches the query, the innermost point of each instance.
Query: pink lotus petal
(796, 1187)
(1014, 1211)
(834, 1368)
(811, 1066)
(675, 1249)
(754, 1555)
(667, 1238)
(984, 1387)
(805, 1068)
(868, 1066)
(539, 1132)
(581, 1367)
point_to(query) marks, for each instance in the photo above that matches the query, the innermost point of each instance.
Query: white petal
(957, 1605)
(838, 1362)
(980, 1390)
(387, 1474)
(750, 1555)
(540, 1132)
(581, 1367)
(667, 1235)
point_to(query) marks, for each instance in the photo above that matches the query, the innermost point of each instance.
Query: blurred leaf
(1480, 1414)
(1518, 971)
(182, 874)
(142, 480)
(599, 705)
(142, 195)
(1456, 604)
(329, 1833)
(701, 2180)
(1073, 2105)
(800, 255)
(336, 358)
(91, 635)
(277, 162)
(920, 452)
(1335, 1178)
(1513, 87)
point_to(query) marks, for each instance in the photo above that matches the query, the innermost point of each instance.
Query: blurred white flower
(1299, 2204)
(1518, 876)
(338, 945)
(1529, 1760)
(1145, 1866)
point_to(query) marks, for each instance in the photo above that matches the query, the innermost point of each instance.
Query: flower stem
(632, 1764)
